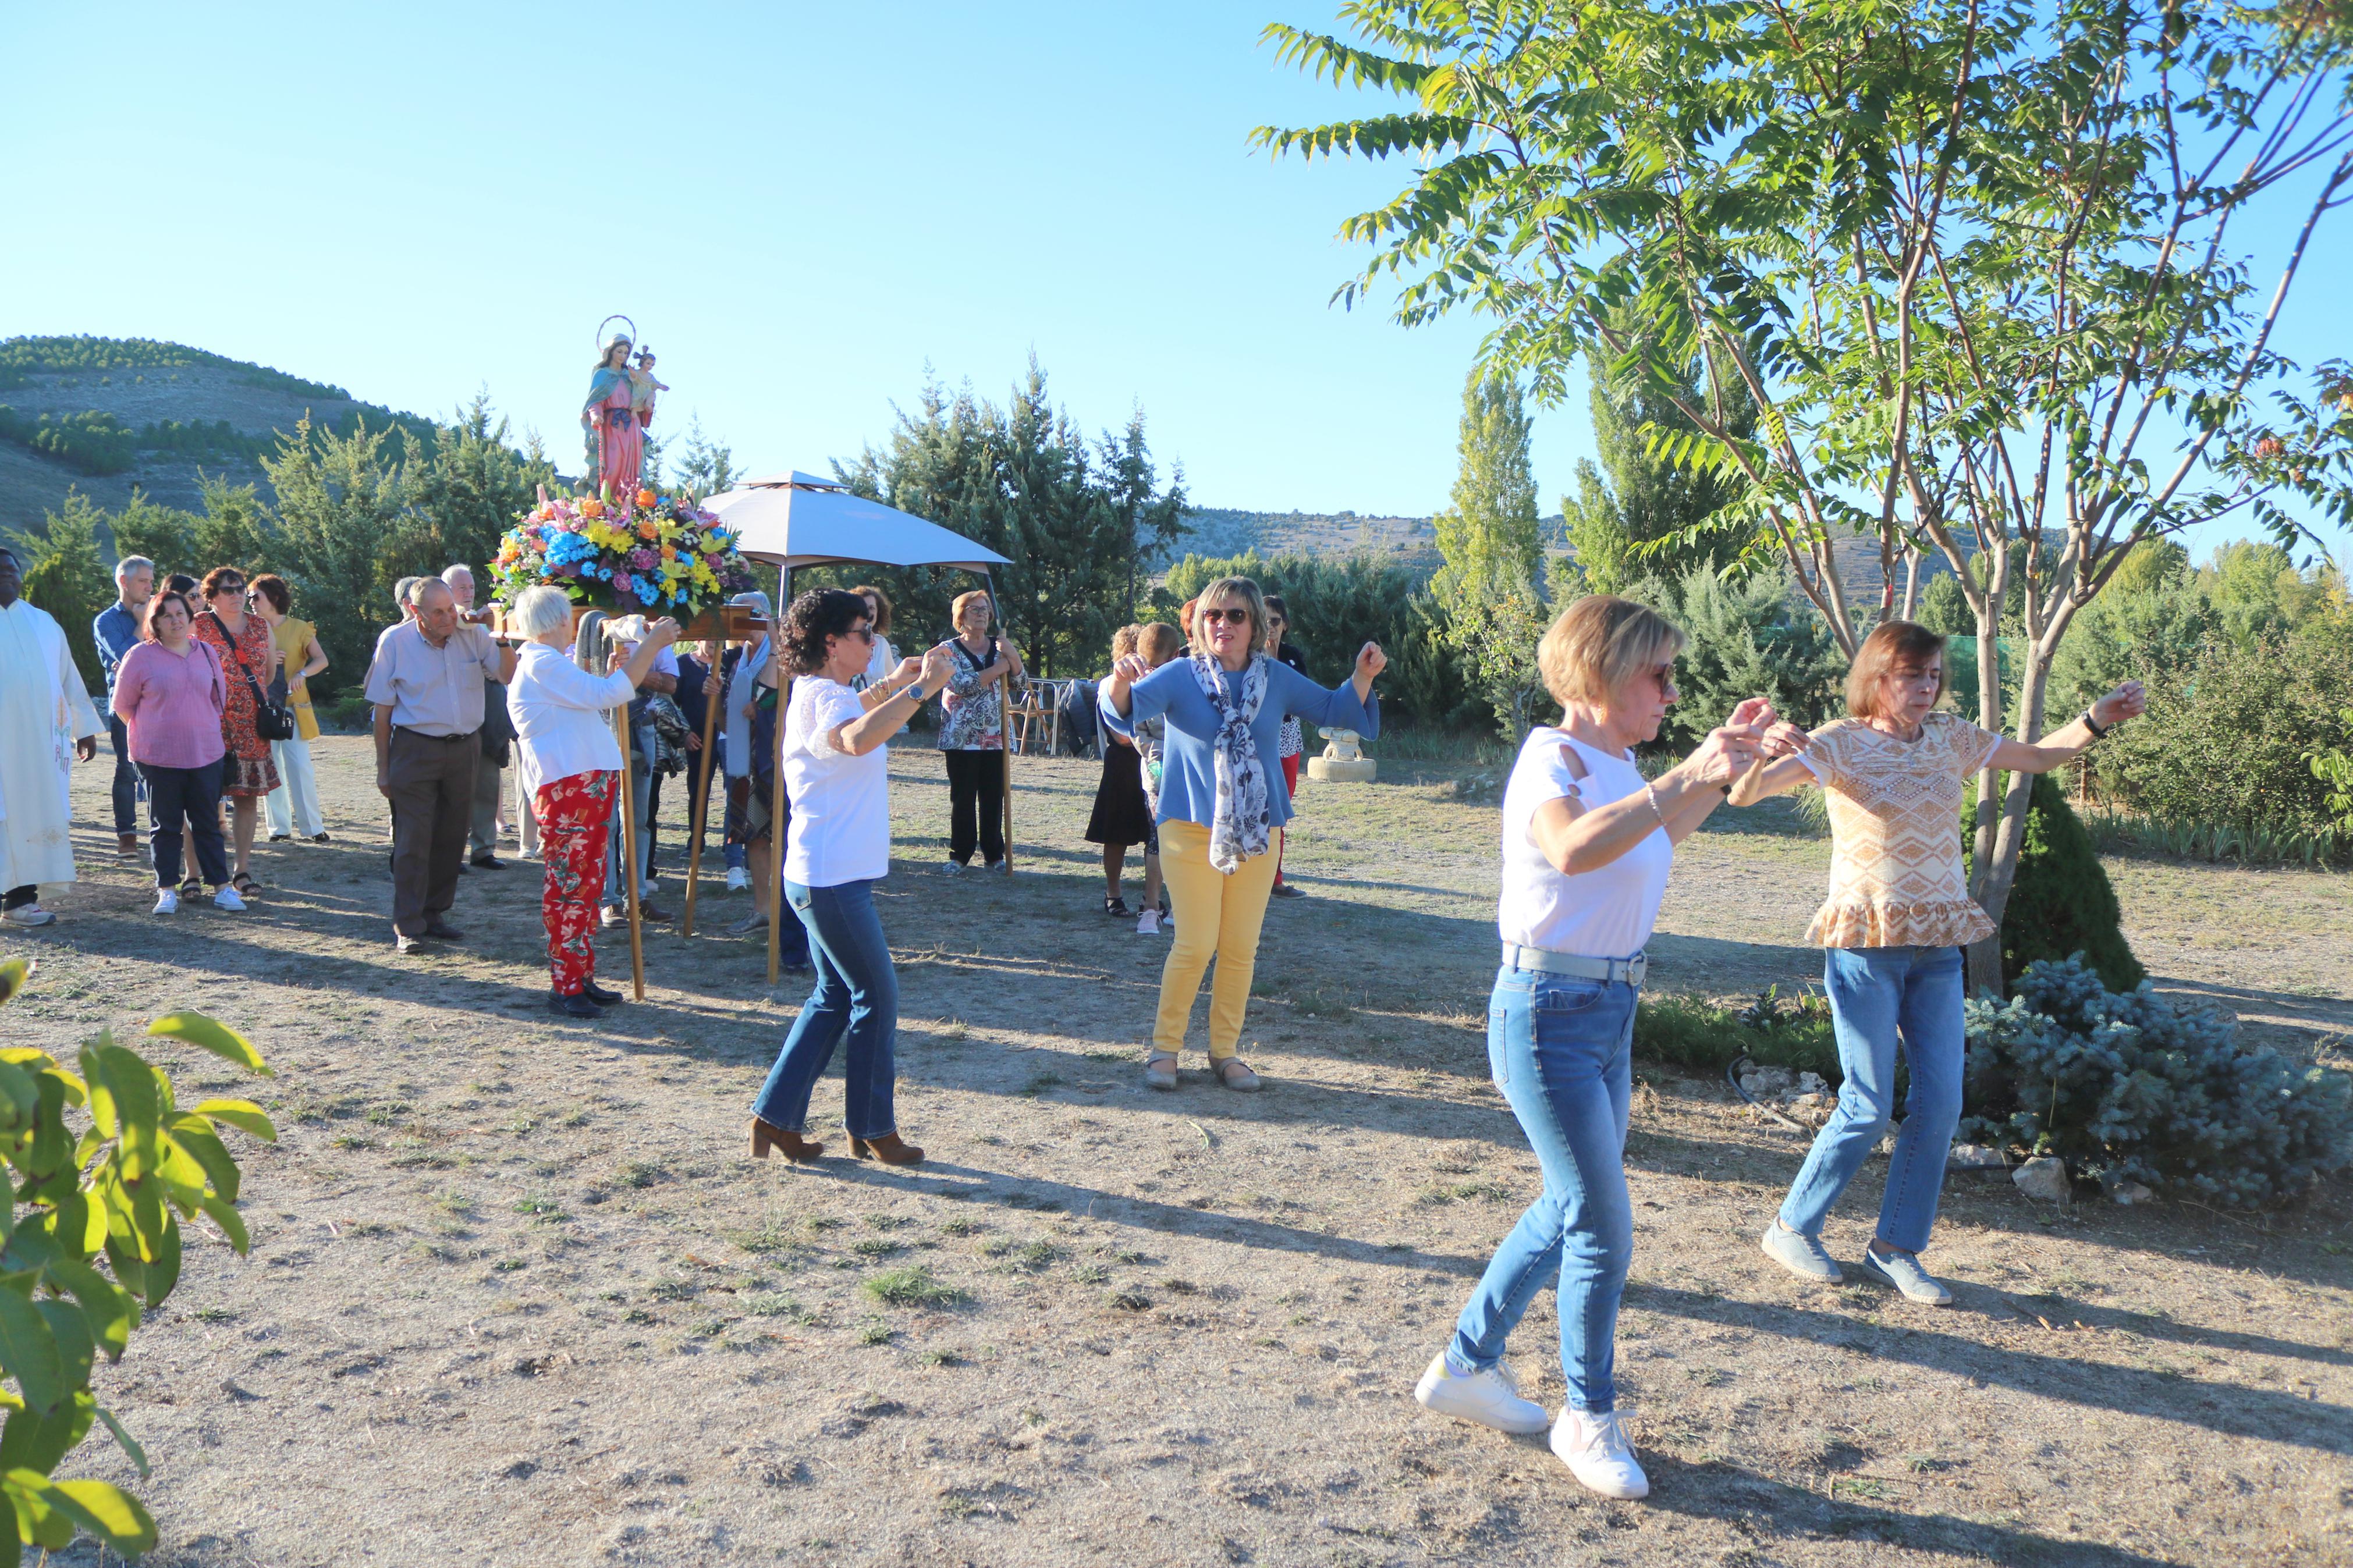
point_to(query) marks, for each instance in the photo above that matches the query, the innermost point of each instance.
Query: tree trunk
(1997, 862)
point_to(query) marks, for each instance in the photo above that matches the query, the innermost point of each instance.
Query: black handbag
(271, 721)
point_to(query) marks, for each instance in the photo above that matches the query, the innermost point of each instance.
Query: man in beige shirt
(427, 685)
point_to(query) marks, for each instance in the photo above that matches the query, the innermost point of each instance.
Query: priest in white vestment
(45, 721)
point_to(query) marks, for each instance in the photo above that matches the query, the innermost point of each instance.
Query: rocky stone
(1763, 1082)
(2130, 1192)
(1973, 1157)
(1813, 1109)
(1810, 1083)
(2044, 1179)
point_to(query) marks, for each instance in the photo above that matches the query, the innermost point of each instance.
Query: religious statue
(643, 386)
(616, 432)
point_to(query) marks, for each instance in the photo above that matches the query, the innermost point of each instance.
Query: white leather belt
(1630, 970)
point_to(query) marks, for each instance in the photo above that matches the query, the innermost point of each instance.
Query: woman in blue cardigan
(1222, 798)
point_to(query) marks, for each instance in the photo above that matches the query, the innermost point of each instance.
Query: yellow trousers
(1217, 916)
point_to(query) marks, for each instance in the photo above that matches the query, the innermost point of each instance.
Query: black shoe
(1116, 908)
(441, 929)
(282, 838)
(320, 838)
(1285, 890)
(602, 997)
(488, 862)
(407, 944)
(573, 1006)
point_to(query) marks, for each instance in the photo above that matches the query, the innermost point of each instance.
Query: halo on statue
(603, 342)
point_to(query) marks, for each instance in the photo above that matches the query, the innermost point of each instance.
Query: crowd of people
(206, 703)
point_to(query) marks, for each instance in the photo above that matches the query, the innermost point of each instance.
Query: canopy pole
(1004, 723)
(712, 702)
(777, 805)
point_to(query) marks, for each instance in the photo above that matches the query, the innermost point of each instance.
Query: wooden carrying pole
(776, 874)
(712, 700)
(589, 647)
(1004, 725)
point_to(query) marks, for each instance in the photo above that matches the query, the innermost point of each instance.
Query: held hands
(1723, 756)
(86, 747)
(937, 666)
(909, 671)
(2129, 701)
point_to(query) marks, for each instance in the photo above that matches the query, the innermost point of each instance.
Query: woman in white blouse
(570, 765)
(836, 848)
(1587, 845)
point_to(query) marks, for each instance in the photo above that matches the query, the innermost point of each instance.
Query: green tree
(164, 534)
(1639, 515)
(1958, 258)
(1746, 639)
(705, 467)
(1491, 586)
(342, 502)
(2063, 903)
(65, 573)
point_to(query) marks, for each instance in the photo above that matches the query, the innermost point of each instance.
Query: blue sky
(800, 206)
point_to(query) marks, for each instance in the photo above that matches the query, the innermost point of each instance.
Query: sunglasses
(1236, 615)
(863, 634)
(226, 589)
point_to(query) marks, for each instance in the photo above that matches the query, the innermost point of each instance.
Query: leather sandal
(1235, 1074)
(791, 1145)
(1160, 1070)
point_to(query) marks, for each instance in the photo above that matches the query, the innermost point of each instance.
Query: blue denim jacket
(1188, 788)
(116, 632)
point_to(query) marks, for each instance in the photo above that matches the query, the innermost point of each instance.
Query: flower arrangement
(650, 553)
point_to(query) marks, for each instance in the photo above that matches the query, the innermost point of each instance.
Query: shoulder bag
(271, 721)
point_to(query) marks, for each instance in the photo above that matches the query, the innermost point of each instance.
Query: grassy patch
(639, 1174)
(912, 1285)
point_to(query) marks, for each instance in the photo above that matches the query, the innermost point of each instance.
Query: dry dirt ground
(518, 1296)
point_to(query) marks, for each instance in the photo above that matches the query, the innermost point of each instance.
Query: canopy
(796, 520)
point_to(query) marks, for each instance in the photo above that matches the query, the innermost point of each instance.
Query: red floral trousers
(574, 817)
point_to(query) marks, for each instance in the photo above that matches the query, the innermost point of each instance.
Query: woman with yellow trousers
(1221, 800)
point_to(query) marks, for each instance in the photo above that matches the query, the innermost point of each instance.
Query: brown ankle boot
(791, 1145)
(887, 1149)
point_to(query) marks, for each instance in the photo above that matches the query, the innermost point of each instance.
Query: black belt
(421, 736)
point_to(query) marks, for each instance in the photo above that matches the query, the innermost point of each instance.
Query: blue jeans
(1560, 1051)
(1877, 993)
(127, 784)
(858, 994)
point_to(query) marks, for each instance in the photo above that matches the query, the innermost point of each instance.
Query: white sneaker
(1148, 924)
(739, 881)
(1596, 1453)
(1903, 1270)
(28, 915)
(167, 900)
(1490, 1398)
(224, 897)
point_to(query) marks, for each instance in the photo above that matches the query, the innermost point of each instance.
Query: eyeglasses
(863, 634)
(228, 588)
(1235, 614)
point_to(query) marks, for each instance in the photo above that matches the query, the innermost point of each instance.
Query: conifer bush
(2127, 1088)
(2061, 903)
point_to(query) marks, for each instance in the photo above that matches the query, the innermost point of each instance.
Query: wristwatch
(2099, 730)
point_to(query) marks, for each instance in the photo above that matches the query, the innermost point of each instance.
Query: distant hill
(1409, 540)
(109, 415)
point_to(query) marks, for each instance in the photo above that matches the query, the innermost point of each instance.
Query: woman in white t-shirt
(1586, 844)
(838, 846)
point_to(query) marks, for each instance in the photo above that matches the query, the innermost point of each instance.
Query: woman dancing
(1222, 798)
(1587, 845)
(837, 846)
(1122, 811)
(1898, 914)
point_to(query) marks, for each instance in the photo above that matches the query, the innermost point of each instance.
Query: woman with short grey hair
(570, 761)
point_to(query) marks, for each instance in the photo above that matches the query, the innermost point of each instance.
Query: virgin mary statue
(617, 447)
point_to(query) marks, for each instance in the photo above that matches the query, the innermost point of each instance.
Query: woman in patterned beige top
(1898, 914)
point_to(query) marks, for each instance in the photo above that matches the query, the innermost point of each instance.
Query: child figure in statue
(616, 440)
(642, 388)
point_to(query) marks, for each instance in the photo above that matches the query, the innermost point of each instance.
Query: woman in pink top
(170, 694)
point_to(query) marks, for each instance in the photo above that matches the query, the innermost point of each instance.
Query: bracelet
(1650, 793)
(2099, 731)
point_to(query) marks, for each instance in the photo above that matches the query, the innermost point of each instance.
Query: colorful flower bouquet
(664, 555)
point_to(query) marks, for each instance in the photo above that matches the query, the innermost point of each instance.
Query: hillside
(109, 415)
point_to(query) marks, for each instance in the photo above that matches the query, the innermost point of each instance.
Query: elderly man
(498, 733)
(115, 629)
(43, 707)
(427, 687)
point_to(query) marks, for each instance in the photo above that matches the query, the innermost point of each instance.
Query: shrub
(1710, 1037)
(2061, 902)
(121, 1185)
(2125, 1087)
(1746, 639)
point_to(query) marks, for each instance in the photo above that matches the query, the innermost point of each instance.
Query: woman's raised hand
(937, 666)
(1371, 661)
(1723, 756)
(909, 670)
(2129, 701)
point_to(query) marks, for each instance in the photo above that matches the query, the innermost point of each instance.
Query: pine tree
(64, 574)
(1490, 589)
(1638, 515)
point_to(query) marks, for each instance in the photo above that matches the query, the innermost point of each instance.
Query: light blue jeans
(1560, 1051)
(857, 994)
(1879, 995)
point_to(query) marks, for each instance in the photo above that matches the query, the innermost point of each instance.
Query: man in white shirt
(426, 684)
